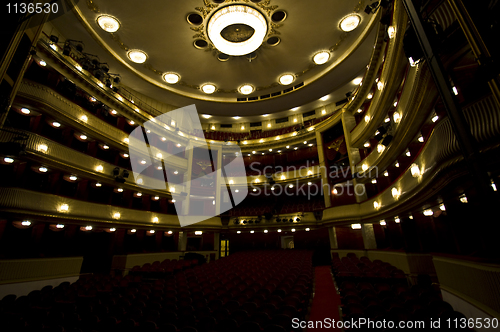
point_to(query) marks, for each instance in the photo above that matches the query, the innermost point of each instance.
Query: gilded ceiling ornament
(156, 71)
(359, 6)
(264, 5)
(343, 36)
(207, 9)
(311, 66)
(93, 7)
(118, 40)
(273, 27)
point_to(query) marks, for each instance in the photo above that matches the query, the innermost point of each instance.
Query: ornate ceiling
(175, 37)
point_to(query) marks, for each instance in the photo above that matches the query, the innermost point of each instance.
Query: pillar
(369, 240)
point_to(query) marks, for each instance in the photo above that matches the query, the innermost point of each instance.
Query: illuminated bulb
(309, 172)
(367, 118)
(364, 167)
(294, 133)
(421, 139)
(270, 150)
(370, 96)
(395, 192)
(396, 164)
(231, 182)
(242, 127)
(105, 147)
(237, 191)
(156, 198)
(279, 231)
(98, 184)
(60, 226)
(170, 232)
(463, 199)
(42, 63)
(178, 145)
(374, 181)
(323, 112)
(283, 177)
(383, 223)
(356, 226)
(415, 170)
(308, 229)
(265, 231)
(56, 124)
(73, 178)
(396, 117)
(324, 98)
(42, 169)
(99, 168)
(435, 118)
(238, 232)
(133, 230)
(408, 154)
(152, 231)
(139, 194)
(176, 172)
(120, 190)
(272, 188)
(8, 160)
(397, 220)
(380, 85)
(140, 181)
(380, 148)
(442, 207)
(198, 232)
(26, 223)
(254, 152)
(321, 57)
(455, 90)
(294, 120)
(143, 162)
(295, 148)
(213, 128)
(360, 110)
(410, 216)
(428, 213)
(112, 229)
(376, 205)
(131, 122)
(334, 191)
(159, 168)
(25, 111)
(126, 140)
(290, 186)
(252, 232)
(366, 145)
(386, 173)
(493, 185)
(114, 112)
(268, 125)
(309, 183)
(391, 31)
(387, 120)
(117, 215)
(293, 229)
(88, 228)
(64, 207)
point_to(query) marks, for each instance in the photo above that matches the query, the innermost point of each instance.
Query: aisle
(326, 301)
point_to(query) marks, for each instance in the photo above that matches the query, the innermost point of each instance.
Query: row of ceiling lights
(278, 231)
(110, 24)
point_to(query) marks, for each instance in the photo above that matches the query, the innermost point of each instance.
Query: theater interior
(249, 165)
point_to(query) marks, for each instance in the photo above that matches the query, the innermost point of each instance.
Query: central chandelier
(240, 18)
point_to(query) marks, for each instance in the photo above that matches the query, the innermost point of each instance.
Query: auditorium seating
(379, 291)
(248, 291)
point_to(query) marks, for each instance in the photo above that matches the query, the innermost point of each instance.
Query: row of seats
(386, 295)
(257, 291)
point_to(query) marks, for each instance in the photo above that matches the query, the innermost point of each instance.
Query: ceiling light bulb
(206, 116)
(324, 98)
(108, 23)
(246, 89)
(133, 230)
(208, 88)
(286, 79)
(98, 184)
(350, 22)
(370, 96)
(137, 56)
(356, 226)
(415, 170)
(366, 145)
(42, 169)
(56, 124)
(357, 81)
(367, 118)
(435, 118)
(25, 111)
(8, 160)
(117, 215)
(83, 137)
(428, 213)
(171, 78)
(73, 178)
(383, 223)
(120, 190)
(60, 226)
(42, 63)
(321, 57)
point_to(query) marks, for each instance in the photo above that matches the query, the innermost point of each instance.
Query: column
(332, 235)
(182, 241)
(217, 244)
(369, 240)
(187, 179)
(218, 182)
(323, 169)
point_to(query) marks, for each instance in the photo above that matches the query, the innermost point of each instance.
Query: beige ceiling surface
(160, 29)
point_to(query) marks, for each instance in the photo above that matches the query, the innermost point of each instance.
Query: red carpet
(326, 301)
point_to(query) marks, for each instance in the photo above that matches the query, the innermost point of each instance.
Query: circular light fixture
(246, 89)
(137, 56)
(108, 23)
(350, 22)
(286, 79)
(208, 88)
(171, 78)
(237, 18)
(321, 57)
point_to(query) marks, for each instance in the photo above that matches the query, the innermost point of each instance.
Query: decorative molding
(93, 7)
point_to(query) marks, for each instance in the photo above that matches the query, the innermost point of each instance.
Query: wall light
(428, 213)
(356, 226)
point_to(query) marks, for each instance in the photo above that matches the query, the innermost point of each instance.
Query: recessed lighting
(8, 160)
(236, 117)
(357, 81)
(350, 22)
(208, 88)
(295, 109)
(246, 89)
(171, 78)
(206, 116)
(286, 79)
(137, 56)
(321, 57)
(108, 23)
(265, 115)
(25, 111)
(324, 98)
